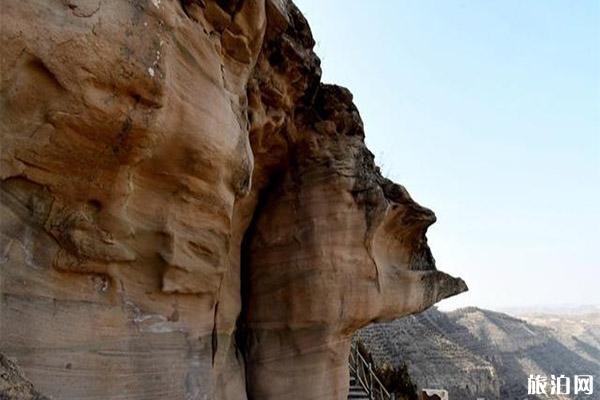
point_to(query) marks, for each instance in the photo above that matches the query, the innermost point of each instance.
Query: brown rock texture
(186, 211)
(13, 385)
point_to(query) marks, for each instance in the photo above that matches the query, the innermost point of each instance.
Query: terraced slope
(479, 353)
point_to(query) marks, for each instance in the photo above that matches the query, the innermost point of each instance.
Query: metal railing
(365, 376)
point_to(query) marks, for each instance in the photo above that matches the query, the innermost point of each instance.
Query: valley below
(474, 353)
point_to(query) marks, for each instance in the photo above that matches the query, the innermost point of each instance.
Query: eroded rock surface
(187, 212)
(13, 385)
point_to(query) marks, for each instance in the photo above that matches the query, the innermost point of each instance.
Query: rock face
(187, 212)
(13, 385)
(476, 353)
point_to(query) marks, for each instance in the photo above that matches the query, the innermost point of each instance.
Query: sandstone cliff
(13, 385)
(476, 353)
(187, 212)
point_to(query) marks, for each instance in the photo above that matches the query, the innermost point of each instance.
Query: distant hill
(475, 353)
(562, 310)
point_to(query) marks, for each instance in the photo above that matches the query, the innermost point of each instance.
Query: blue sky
(489, 113)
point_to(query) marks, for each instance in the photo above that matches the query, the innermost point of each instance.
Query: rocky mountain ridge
(475, 353)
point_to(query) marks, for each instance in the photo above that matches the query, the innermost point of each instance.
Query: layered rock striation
(187, 212)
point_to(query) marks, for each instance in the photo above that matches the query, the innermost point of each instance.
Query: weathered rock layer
(187, 212)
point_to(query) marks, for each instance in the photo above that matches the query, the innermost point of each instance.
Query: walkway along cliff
(187, 211)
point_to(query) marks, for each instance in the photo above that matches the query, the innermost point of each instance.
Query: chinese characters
(561, 384)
